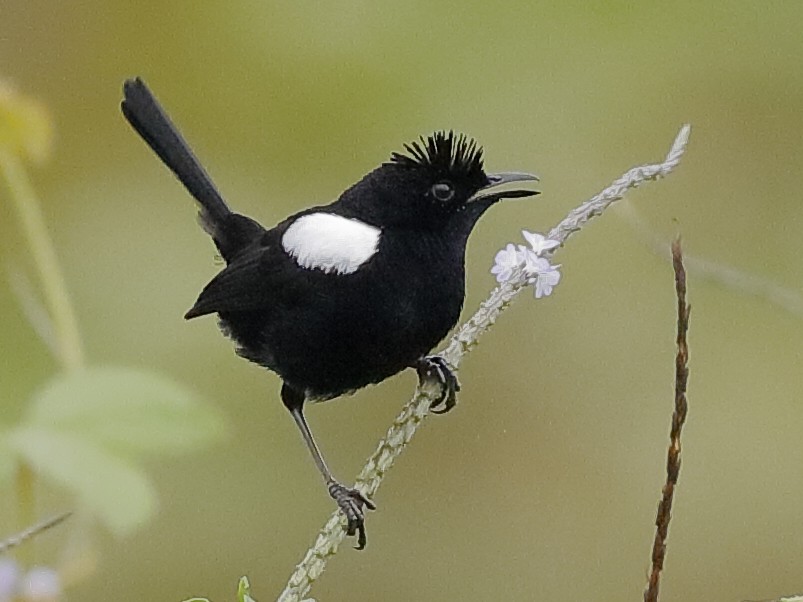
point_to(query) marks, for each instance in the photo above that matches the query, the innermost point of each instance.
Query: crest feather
(450, 152)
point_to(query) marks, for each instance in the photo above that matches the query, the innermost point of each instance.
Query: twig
(20, 538)
(411, 417)
(678, 418)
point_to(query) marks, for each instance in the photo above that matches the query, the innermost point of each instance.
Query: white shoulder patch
(330, 242)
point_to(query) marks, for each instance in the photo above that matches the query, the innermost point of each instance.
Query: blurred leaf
(26, 127)
(127, 410)
(7, 464)
(116, 490)
(197, 600)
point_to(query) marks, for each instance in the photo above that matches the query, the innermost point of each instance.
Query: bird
(341, 296)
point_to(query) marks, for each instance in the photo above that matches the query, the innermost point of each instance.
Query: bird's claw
(435, 367)
(351, 502)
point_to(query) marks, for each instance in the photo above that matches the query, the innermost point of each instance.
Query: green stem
(69, 349)
(68, 341)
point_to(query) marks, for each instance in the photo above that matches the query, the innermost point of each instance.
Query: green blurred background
(544, 482)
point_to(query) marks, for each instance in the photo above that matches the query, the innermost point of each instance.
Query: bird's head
(437, 182)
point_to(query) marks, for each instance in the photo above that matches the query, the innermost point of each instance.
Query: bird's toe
(434, 367)
(351, 503)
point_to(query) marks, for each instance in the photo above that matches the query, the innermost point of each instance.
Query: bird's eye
(443, 191)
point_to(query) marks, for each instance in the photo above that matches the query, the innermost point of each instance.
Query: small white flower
(546, 280)
(539, 243)
(533, 263)
(41, 584)
(9, 579)
(536, 269)
(506, 260)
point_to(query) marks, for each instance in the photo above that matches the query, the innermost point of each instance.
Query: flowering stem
(414, 412)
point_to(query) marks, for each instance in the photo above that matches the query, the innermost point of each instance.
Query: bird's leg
(435, 367)
(350, 501)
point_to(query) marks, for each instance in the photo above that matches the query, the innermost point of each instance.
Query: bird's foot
(351, 502)
(435, 367)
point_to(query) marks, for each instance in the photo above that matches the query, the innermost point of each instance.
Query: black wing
(262, 276)
(250, 282)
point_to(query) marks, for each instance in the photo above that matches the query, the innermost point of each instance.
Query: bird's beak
(496, 180)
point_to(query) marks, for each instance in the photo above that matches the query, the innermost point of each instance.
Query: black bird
(343, 295)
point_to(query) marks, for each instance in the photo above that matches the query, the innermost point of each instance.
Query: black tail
(231, 232)
(147, 117)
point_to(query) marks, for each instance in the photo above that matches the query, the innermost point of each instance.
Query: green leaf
(115, 489)
(85, 429)
(244, 590)
(127, 410)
